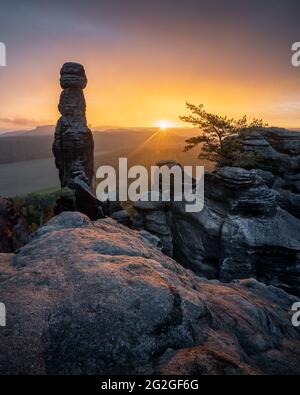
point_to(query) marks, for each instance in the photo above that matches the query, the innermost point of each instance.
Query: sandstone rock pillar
(73, 146)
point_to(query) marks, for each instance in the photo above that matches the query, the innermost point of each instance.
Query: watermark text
(2, 54)
(175, 183)
(296, 315)
(2, 314)
(296, 56)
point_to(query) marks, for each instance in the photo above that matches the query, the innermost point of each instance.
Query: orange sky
(144, 63)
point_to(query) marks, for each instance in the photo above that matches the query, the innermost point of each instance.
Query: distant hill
(27, 163)
(21, 148)
(47, 130)
(34, 144)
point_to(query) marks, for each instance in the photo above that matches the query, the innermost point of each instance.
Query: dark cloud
(238, 30)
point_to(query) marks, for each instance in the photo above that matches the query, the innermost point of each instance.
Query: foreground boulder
(84, 297)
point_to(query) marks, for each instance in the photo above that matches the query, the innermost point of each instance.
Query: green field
(20, 178)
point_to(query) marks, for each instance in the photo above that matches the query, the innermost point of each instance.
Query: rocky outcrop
(73, 145)
(13, 228)
(280, 153)
(154, 217)
(241, 232)
(98, 298)
(250, 224)
(280, 149)
(73, 149)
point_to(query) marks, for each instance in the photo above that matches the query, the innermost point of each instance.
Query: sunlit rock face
(87, 297)
(73, 146)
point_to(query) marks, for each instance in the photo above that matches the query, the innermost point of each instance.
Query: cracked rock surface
(97, 297)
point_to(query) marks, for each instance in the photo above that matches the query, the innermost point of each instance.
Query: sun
(163, 124)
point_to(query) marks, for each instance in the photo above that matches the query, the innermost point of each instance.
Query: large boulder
(98, 298)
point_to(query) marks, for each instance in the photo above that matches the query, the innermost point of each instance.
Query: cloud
(20, 121)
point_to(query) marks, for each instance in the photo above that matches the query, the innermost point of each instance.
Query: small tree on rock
(222, 137)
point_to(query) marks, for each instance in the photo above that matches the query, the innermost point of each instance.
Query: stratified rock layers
(73, 146)
(249, 226)
(88, 297)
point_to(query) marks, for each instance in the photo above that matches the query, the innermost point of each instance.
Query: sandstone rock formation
(13, 228)
(96, 298)
(73, 146)
(154, 217)
(73, 149)
(280, 150)
(249, 226)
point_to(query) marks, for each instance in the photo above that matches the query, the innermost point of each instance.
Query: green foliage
(36, 208)
(217, 141)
